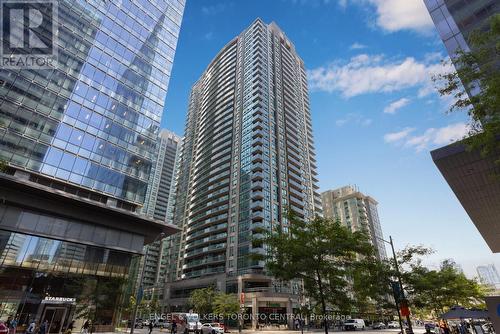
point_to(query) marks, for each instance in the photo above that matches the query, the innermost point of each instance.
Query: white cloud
(394, 15)
(373, 74)
(357, 46)
(397, 136)
(429, 138)
(396, 105)
(354, 118)
(214, 9)
(209, 35)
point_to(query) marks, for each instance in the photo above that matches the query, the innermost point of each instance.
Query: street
(416, 330)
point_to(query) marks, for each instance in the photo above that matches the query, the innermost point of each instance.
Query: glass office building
(93, 119)
(456, 19)
(467, 172)
(77, 142)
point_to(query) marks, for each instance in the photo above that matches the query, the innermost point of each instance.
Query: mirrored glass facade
(93, 119)
(456, 19)
(43, 278)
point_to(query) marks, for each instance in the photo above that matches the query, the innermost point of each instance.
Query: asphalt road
(416, 330)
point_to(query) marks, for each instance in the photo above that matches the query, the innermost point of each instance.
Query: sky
(376, 113)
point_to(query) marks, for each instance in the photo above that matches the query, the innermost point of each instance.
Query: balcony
(212, 248)
(257, 149)
(257, 158)
(257, 216)
(257, 167)
(257, 134)
(294, 184)
(204, 261)
(257, 126)
(297, 210)
(257, 205)
(257, 141)
(258, 176)
(257, 194)
(257, 185)
(258, 226)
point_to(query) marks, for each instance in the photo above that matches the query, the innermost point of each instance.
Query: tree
(154, 304)
(202, 300)
(475, 87)
(435, 291)
(226, 304)
(324, 254)
(438, 290)
(4, 167)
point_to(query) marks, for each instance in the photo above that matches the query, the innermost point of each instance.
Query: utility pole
(398, 273)
(396, 297)
(397, 306)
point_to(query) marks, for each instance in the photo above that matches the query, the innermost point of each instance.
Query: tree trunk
(323, 303)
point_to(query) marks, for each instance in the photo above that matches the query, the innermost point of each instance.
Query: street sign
(242, 298)
(405, 310)
(140, 294)
(396, 288)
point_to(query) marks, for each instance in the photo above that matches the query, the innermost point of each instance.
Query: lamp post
(140, 289)
(398, 273)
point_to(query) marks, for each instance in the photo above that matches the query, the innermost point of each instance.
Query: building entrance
(56, 317)
(58, 314)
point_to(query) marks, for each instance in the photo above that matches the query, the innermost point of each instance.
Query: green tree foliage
(4, 167)
(202, 300)
(438, 290)
(325, 254)
(435, 291)
(226, 304)
(477, 73)
(154, 304)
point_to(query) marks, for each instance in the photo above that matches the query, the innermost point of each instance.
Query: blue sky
(375, 112)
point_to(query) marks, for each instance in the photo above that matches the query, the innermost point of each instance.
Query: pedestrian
(71, 326)
(443, 326)
(173, 330)
(8, 321)
(44, 327)
(150, 326)
(31, 327)
(13, 326)
(85, 327)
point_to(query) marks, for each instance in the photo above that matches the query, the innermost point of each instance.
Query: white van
(353, 324)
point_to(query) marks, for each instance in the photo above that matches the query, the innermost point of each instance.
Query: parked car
(378, 325)
(354, 324)
(138, 323)
(212, 328)
(223, 326)
(162, 323)
(393, 324)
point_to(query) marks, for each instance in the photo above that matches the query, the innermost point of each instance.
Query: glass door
(56, 317)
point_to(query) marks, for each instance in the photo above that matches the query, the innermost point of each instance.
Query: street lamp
(136, 307)
(398, 273)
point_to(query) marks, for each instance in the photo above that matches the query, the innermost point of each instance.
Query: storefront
(64, 258)
(45, 279)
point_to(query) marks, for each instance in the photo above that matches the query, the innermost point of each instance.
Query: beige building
(357, 211)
